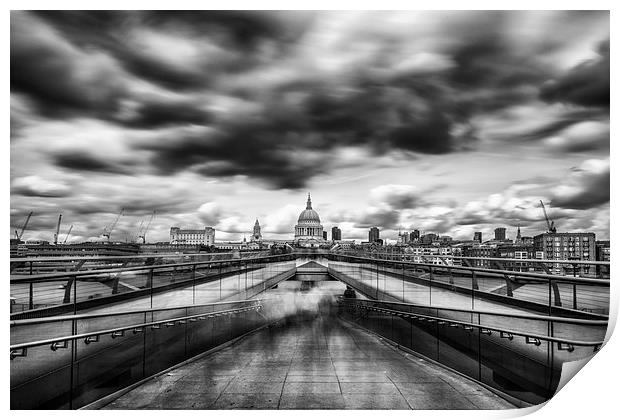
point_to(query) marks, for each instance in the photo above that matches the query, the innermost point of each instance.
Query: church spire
(309, 204)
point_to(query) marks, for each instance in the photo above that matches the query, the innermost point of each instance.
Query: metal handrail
(58, 318)
(563, 279)
(577, 321)
(143, 256)
(54, 276)
(485, 327)
(460, 257)
(120, 257)
(21, 346)
(583, 280)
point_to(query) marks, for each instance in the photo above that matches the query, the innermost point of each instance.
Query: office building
(482, 252)
(336, 234)
(567, 246)
(446, 240)
(602, 254)
(500, 234)
(373, 234)
(205, 236)
(429, 238)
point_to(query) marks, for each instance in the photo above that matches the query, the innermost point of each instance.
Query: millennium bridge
(301, 330)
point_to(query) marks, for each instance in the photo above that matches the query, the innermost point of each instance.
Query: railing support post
(553, 287)
(67, 297)
(149, 279)
(574, 287)
(115, 285)
(194, 284)
(31, 296)
(474, 280)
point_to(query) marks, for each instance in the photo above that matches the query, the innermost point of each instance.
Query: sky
(446, 122)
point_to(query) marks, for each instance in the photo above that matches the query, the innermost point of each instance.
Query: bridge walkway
(311, 361)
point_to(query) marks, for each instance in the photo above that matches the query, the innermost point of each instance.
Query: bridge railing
(67, 362)
(193, 282)
(519, 355)
(24, 266)
(570, 267)
(473, 287)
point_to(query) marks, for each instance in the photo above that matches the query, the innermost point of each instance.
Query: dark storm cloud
(29, 191)
(112, 27)
(40, 222)
(383, 118)
(245, 29)
(162, 114)
(381, 218)
(47, 69)
(280, 143)
(472, 220)
(586, 84)
(82, 161)
(400, 197)
(389, 202)
(589, 189)
(241, 33)
(253, 150)
(166, 69)
(484, 59)
(143, 205)
(556, 126)
(574, 131)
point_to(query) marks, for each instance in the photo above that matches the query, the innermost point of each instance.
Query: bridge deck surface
(312, 362)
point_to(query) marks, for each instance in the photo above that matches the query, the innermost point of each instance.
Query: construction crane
(19, 235)
(68, 233)
(57, 230)
(143, 235)
(550, 224)
(134, 238)
(108, 231)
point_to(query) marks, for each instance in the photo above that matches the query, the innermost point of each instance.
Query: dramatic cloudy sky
(448, 122)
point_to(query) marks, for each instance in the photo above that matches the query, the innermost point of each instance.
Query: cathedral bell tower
(256, 235)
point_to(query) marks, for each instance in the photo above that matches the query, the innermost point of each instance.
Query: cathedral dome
(308, 216)
(308, 230)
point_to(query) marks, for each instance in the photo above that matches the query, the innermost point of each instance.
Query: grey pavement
(314, 361)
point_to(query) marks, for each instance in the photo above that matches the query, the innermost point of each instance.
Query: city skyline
(446, 122)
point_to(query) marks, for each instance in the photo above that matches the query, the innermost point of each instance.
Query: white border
(591, 395)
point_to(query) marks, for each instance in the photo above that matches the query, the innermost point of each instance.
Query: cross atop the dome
(309, 204)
